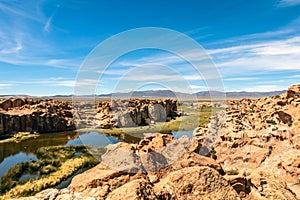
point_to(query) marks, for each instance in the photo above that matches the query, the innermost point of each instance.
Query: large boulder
(137, 189)
(285, 117)
(157, 113)
(195, 183)
(18, 102)
(122, 157)
(6, 104)
(293, 92)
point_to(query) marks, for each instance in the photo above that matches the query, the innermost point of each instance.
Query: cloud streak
(267, 56)
(22, 37)
(48, 24)
(287, 3)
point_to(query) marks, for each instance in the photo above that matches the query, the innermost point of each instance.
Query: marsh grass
(54, 165)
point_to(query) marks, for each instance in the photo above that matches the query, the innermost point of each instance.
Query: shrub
(232, 172)
(270, 121)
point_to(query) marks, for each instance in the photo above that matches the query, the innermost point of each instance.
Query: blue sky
(254, 44)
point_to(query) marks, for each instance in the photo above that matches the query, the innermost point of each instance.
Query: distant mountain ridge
(168, 94)
(202, 94)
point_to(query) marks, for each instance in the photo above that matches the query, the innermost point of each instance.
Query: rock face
(260, 139)
(135, 112)
(31, 115)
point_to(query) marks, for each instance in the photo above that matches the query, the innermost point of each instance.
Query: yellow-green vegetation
(64, 171)
(19, 136)
(232, 172)
(54, 165)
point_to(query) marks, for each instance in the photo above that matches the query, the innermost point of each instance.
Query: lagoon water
(10, 161)
(178, 134)
(12, 153)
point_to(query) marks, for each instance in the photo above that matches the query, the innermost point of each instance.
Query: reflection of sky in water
(29, 176)
(178, 134)
(13, 160)
(93, 138)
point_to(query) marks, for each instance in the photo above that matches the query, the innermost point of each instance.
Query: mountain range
(168, 94)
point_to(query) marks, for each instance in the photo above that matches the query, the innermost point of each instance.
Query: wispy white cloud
(48, 24)
(198, 87)
(59, 81)
(168, 59)
(262, 88)
(268, 56)
(240, 79)
(118, 72)
(22, 37)
(41, 61)
(54, 81)
(286, 3)
(156, 77)
(5, 86)
(11, 47)
(295, 76)
(256, 37)
(18, 8)
(192, 77)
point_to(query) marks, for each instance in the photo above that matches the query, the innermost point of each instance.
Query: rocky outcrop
(260, 139)
(32, 115)
(293, 92)
(135, 112)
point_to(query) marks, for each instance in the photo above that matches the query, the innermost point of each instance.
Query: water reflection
(93, 138)
(179, 134)
(10, 161)
(25, 177)
(30, 146)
